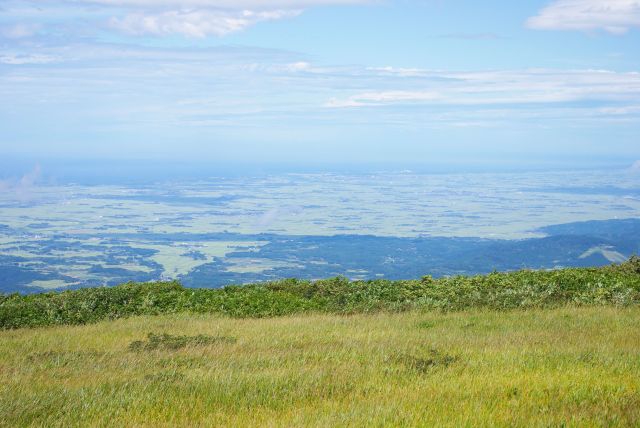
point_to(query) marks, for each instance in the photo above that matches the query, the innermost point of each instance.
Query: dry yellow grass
(578, 367)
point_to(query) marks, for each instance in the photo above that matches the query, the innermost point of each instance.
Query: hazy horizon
(44, 172)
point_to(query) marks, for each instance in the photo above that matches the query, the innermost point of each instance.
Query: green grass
(570, 366)
(527, 348)
(616, 285)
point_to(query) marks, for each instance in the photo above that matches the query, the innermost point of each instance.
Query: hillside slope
(549, 367)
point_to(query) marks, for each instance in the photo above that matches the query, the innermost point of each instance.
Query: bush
(612, 285)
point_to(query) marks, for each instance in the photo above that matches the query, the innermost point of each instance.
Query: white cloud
(298, 66)
(22, 189)
(125, 87)
(385, 97)
(621, 111)
(338, 103)
(29, 179)
(220, 4)
(196, 23)
(27, 59)
(505, 87)
(399, 71)
(191, 18)
(613, 16)
(275, 215)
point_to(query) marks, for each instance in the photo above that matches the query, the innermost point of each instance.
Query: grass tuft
(424, 364)
(172, 342)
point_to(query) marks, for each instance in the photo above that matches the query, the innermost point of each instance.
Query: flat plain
(229, 230)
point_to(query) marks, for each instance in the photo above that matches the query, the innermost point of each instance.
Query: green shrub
(617, 285)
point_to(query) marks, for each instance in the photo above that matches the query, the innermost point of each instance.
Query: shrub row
(612, 285)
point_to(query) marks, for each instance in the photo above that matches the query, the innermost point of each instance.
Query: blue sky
(321, 80)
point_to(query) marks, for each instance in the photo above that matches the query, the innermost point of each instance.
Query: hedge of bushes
(612, 285)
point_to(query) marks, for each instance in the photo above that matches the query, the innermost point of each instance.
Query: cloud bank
(124, 90)
(613, 16)
(506, 88)
(195, 23)
(219, 4)
(157, 18)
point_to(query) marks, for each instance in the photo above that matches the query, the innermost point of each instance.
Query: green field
(544, 367)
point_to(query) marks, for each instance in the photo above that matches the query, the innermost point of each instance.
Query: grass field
(573, 366)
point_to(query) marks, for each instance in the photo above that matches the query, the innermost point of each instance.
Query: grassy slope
(486, 368)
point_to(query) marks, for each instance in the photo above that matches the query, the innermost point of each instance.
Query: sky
(343, 81)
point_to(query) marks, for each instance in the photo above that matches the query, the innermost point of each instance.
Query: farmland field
(217, 231)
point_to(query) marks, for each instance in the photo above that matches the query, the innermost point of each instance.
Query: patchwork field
(219, 231)
(551, 367)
